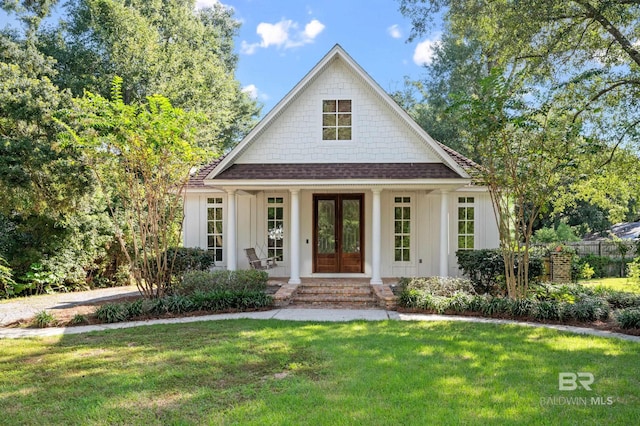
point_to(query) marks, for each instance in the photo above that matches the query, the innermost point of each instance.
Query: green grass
(620, 284)
(369, 373)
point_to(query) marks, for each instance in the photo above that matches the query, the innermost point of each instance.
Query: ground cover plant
(279, 372)
(566, 303)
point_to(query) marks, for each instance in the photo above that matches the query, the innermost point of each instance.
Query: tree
(158, 46)
(587, 47)
(525, 153)
(141, 156)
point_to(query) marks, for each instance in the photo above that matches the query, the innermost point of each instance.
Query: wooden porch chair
(258, 263)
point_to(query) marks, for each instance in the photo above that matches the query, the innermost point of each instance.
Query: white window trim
(412, 233)
(223, 205)
(457, 222)
(264, 239)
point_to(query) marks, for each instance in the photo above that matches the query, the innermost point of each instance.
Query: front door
(338, 233)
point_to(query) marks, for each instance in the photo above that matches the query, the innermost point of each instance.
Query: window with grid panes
(275, 227)
(466, 225)
(336, 120)
(402, 229)
(215, 227)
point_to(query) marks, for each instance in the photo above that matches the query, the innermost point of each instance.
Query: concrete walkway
(31, 306)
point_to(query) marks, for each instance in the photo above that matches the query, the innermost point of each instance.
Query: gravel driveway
(12, 310)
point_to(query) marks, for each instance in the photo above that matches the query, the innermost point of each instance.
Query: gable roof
(458, 164)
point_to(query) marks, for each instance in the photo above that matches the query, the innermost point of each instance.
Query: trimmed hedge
(485, 268)
(205, 282)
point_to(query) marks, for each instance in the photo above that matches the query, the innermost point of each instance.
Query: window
(402, 229)
(466, 225)
(336, 120)
(214, 227)
(275, 224)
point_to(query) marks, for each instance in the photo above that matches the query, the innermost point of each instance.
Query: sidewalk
(16, 309)
(297, 314)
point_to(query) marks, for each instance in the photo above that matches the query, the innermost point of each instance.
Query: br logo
(570, 381)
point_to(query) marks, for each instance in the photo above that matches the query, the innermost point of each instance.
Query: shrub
(586, 272)
(190, 259)
(546, 310)
(217, 300)
(603, 266)
(586, 309)
(622, 299)
(438, 286)
(44, 319)
(628, 318)
(204, 281)
(113, 312)
(79, 319)
(485, 268)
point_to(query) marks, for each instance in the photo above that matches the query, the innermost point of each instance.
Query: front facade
(338, 181)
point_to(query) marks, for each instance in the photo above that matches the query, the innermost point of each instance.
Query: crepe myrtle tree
(525, 154)
(141, 155)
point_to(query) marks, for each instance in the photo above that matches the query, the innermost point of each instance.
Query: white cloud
(394, 31)
(423, 54)
(312, 29)
(284, 34)
(251, 90)
(203, 4)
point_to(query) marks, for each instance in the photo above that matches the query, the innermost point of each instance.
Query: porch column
(444, 233)
(230, 243)
(376, 239)
(294, 242)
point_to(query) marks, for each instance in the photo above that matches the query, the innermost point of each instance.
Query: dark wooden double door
(338, 224)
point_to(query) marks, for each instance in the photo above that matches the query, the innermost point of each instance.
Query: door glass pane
(326, 226)
(351, 226)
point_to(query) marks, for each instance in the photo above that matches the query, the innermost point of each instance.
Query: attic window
(336, 120)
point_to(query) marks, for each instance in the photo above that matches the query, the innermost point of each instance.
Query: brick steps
(343, 295)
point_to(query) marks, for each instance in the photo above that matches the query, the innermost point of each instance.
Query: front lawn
(278, 372)
(619, 284)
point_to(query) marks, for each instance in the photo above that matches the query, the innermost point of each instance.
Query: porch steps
(344, 295)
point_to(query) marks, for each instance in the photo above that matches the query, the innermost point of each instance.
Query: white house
(338, 181)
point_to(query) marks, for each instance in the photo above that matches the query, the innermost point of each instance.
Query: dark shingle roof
(339, 171)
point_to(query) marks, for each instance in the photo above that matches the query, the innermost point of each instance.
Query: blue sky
(280, 41)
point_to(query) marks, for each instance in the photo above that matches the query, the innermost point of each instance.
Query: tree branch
(622, 40)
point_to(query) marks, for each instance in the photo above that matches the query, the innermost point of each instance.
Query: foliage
(602, 266)
(157, 47)
(546, 112)
(214, 301)
(586, 272)
(205, 281)
(633, 271)
(189, 259)
(437, 286)
(562, 234)
(44, 319)
(7, 283)
(141, 156)
(485, 268)
(628, 318)
(545, 302)
(79, 319)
